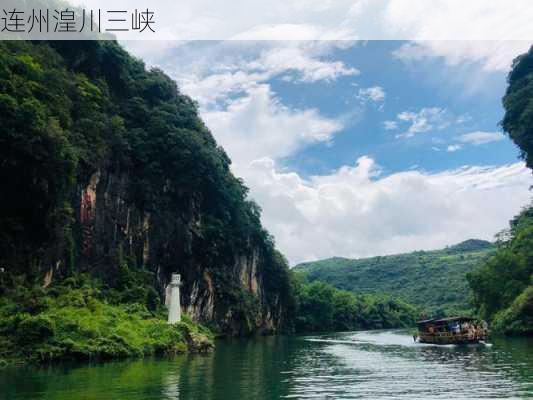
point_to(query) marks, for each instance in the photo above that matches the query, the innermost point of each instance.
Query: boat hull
(449, 339)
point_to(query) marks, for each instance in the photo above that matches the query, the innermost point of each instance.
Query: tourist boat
(454, 330)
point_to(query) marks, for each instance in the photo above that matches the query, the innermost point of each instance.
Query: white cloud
(374, 93)
(258, 125)
(453, 148)
(426, 119)
(300, 58)
(481, 137)
(490, 55)
(390, 125)
(355, 212)
(327, 19)
(212, 73)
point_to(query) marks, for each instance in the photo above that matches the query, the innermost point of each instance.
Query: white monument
(173, 299)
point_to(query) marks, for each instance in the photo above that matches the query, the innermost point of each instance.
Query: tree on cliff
(518, 104)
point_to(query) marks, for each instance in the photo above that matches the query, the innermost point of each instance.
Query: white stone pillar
(174, 306)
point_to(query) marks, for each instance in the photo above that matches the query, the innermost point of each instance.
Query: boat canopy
(444, 321)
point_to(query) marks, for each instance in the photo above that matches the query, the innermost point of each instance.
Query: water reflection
(370, 365)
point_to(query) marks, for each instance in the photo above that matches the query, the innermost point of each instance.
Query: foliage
(503, 285)
(518, 104)
(321, 307)
(73, 321)
(434, 281)
(517, 319)
(69, 109)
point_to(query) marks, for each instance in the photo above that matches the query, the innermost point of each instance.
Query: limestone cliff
(228, 295)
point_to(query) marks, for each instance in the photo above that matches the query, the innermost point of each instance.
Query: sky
(353, 146)
(359, 148)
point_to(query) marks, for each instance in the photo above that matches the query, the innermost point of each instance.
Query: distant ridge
(472, 245)
(433, 280)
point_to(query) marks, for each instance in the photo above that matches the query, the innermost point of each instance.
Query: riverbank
(65, 322)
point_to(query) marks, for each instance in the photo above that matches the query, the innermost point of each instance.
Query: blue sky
(407, 88)
(357, 149)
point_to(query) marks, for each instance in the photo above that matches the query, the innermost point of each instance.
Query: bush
(79, 325)
(517, 319)
(35, 329)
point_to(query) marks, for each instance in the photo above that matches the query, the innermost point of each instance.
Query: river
(356, 365)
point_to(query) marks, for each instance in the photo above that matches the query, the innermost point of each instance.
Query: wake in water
(386, 338)
(389, 364)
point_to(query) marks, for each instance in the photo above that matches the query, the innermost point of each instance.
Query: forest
(433, 281)
(321, 307)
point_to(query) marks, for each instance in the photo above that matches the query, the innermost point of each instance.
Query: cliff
(107, 169)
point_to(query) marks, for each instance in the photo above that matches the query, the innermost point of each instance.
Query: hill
(108, 170)
(434, 281)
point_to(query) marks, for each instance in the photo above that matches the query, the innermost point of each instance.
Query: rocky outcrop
(229, 297)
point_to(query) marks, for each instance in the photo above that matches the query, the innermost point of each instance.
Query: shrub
(78, 324)
(35, 329)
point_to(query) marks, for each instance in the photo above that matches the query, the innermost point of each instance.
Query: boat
(452, 330)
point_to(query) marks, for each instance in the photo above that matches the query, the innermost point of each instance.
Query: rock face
(229, 297)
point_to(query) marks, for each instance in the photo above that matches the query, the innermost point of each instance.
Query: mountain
(107, 170)
(434, 281)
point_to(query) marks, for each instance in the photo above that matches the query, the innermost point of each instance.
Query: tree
(518, 104)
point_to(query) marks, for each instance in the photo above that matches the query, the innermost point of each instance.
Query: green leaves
(499, 286)
(518, 104)
(321, 307)
(78, 324)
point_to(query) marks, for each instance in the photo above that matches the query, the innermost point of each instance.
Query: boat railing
(455, 335)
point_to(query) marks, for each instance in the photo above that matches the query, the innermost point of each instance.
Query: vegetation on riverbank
(80, 320)
(503, 286)
(434, 281)
(322, 307)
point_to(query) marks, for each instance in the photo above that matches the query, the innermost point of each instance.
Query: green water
(363, 365)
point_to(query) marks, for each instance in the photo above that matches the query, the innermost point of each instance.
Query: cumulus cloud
(480, 137)
(426, 119)
(357, 212)
(258, 125)
(374, 93)
(220, 71)
(300, 59)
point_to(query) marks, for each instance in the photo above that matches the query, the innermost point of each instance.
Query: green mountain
(107, 170)
(435, 281)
